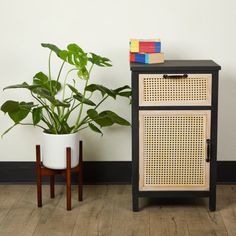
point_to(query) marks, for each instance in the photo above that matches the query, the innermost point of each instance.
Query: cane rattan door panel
(167, 90)
(173, 149)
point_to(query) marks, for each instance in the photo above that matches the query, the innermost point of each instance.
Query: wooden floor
(106, 210)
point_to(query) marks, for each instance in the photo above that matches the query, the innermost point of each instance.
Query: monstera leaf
(17, 111)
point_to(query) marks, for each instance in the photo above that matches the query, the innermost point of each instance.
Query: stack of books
(146, 51)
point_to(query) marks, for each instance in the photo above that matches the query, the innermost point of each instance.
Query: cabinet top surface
(177, 65)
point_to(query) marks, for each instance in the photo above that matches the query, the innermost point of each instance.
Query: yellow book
(134, 45)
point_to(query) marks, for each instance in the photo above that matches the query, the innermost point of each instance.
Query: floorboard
(106, 211)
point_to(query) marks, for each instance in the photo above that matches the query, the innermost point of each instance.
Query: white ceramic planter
(54, 150)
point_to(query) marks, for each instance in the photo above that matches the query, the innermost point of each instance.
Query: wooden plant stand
(43, 171)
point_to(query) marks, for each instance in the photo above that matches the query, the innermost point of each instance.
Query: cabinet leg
(52, 186)
(135, 203)
(68, 179)
(212, 203)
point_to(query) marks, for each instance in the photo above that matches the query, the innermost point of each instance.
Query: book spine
(158, 47)
(154, 47)
(134, 45)
(146, 44)
(132, 57)
(140, 58)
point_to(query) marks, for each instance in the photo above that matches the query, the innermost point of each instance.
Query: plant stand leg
(52, 186)
(80, 175)
(39, 177)
(68, 178)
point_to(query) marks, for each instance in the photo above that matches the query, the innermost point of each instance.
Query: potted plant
(52, 109)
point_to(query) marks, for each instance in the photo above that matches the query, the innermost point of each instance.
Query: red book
(132, 57)
(147, 47)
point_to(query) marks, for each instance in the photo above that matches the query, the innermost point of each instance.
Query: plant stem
(71, 96)
(50, 116)
(49, 65)
(101, 102)
(64, 89)
(6, 131)
(81, 108)
(32, 125)
(68, 113)
(64, 84)
(59, 73)
(83, 128)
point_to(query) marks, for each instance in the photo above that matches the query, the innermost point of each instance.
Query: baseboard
(95, 172)
(98, 172)
(226, 171)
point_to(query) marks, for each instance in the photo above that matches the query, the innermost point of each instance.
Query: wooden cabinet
(174, 130)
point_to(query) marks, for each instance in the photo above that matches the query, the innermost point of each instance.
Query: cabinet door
(173, 150)
(175, 89)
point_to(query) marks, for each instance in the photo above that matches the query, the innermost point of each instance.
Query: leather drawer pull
(175, 76)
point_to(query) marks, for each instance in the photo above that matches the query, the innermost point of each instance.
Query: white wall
(189, 29)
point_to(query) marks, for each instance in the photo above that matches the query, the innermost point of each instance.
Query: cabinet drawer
(173, 150)
(175, 89)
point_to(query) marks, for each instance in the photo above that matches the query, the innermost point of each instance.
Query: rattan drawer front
(173, 148)
(167, 90)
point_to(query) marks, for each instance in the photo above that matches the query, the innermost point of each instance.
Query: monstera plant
(57, 100)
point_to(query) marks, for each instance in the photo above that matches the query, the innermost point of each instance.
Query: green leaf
(37, 115)
(76, 56)
(73, 89)
(80, 60)
(75, 48)
(83, 73)
(100, 88)
(95, 128)
(70, 58)
(17, 111)
(122, 89)
(104, 120)
(113, 117)
(40, 78)
(63, 54)
(23, 85)
(10, 106)
(92, 113)
(54, 85)
(43, 81)
(84, 100)
(125, 94)
(98, 60)
(52, 47)
(45, 93)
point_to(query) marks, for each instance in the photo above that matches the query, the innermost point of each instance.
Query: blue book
(147, 58)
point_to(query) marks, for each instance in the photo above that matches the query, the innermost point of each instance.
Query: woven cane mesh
(174, 149)
(156, 89)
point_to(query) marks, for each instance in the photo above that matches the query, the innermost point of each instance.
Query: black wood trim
(99, 172)
(175, 108)
(176, 194)
(135, 139)
(177, 65)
